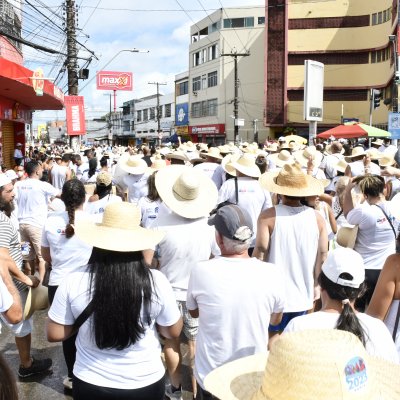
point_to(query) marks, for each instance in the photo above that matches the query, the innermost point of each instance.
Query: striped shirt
(9, 240)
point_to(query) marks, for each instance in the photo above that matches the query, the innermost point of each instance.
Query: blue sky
(162, 27)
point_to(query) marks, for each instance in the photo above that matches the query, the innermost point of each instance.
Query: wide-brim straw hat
(282, 158)
(227, 161)
(325, 364)
(385, 161)
(134, 165)
(341, 165)
(224, 149)
(187, 191)
(378, 142)
(272, 147)
(291, 181)
(347, 236)
(303, 156)
(37, 300)
(212, 152)
(177, 155)
(246, 165)
(119, 230)
(328, 149)
(157, 163)
(374, 153)
(356, 152)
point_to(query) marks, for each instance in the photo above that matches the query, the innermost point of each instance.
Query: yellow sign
(38, 81)
(182, 130)
(41, 129)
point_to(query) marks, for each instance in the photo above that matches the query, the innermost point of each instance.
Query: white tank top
(390, 321)
(293, 247)
(58, 175)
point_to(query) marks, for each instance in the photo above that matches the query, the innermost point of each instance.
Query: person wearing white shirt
(18, 156)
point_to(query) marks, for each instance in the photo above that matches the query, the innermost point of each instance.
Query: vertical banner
(75, 112)
(313, 90)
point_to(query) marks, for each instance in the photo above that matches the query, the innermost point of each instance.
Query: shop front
(213, 133)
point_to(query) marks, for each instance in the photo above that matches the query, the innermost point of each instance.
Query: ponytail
(69, 229)
(348, 320)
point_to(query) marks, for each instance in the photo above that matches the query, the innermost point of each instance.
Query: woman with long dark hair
(342, 282)
(65, 252)
(120, 304)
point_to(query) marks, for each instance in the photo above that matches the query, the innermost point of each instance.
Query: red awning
(16, 84)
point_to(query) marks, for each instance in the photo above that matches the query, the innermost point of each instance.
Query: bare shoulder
(393, 263)
(268, 213)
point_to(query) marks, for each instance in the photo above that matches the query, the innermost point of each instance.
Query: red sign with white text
(112, 80)
(75, 111)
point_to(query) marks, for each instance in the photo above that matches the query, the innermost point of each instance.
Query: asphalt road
(49, 386)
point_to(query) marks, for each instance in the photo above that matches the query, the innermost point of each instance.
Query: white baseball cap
(11, 174)
(4, 180)
(344, 260)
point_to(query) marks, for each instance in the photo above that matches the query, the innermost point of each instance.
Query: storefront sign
(38, 81)
(75, 112)
(216, 129)
(112, 80)
(181, 130)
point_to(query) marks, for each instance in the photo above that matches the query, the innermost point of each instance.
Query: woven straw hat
(378, 142)
(212, 152)
(134, 165)
(272, 147)
(291, 181)
(37, 300)
(282, 158)
(341, 165)
(356, 152)
(157, 164)
(386, 160)
(177, 155)
(328, 149)
(374, 153)
(119, 230)
(308, 365)
(188, 192)
(225, 149)
(303, 156)
(246, 165)
(227, 161)
(103, 178)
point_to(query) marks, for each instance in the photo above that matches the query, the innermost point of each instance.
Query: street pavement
(49, 386)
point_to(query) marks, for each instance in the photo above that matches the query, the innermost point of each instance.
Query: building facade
(215, 40)
(350, 38)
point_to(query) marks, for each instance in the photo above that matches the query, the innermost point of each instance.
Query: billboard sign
(394, 125)
(313, 90)
(75, 113)
(113, 80)
(182, 114)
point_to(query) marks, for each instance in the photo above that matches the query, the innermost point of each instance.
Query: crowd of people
(236, 250)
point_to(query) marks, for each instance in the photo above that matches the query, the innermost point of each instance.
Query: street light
(134, 50)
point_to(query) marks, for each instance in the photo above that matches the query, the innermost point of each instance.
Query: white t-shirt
(67, 255)
(81, 169)
(214, 171)
(6, 299)
(134, 367)
(137, 187)
(235, 298)
(375, 238)
(33, 198)
(357, 168)
(149, 211)
(330, 164)
(378, 340)
(186, 242)
(252, 197)
(58, 175)
(97, 207)
(18, 153)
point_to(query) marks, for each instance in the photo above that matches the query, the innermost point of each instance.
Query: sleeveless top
(390, 321)
(58, 175)
(293, 247)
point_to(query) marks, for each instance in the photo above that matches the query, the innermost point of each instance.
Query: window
(374, 19)
(182, 88)
(261, 20)
(204, 55)
(145, 115)
(212, 108)
(167, 113)
(196, 59)
(204, 81)
(212, 52)
(139, 115)
(373, 57)
(196, 110)
(212, 79)
(379, 17)
(196, 84)
(238, 22)
(126, 109)
(204, 109)
(152, 113)
(214, 27)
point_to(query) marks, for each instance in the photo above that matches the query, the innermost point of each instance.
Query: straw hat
(378, 142)
(202, 146)
(37, 300)
(134, 165)
(303, 156)
(374, 153)
(188, 192)
(347, 236)
(119, 230)
(282, 158)
(246, 165)
(291, 181)
(225, 149)
(212, 152)
(103, 178)
(356, 152)
(157, 164)
(314, 364)
(227, 161)
(341, 166)
(328, 149)
(272, 147)
(177, 155)
(386, 160)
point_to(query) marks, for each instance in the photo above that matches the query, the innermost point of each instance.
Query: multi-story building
(350, 38)
(211, 86)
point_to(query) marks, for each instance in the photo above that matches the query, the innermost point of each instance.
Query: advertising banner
(313, 90)
(113, 80)
(75, 112)
(394, 125)
(182, 114)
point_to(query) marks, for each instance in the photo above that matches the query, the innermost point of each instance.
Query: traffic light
(376, 98)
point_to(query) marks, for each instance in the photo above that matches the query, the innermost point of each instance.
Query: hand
(34, 281)
(390, 171)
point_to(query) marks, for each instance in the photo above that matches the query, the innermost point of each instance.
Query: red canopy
(353, 130)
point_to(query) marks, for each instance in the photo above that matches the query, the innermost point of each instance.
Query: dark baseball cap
(231, 221)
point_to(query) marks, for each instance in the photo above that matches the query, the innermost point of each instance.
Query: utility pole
(235, 55)
(158, 109)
